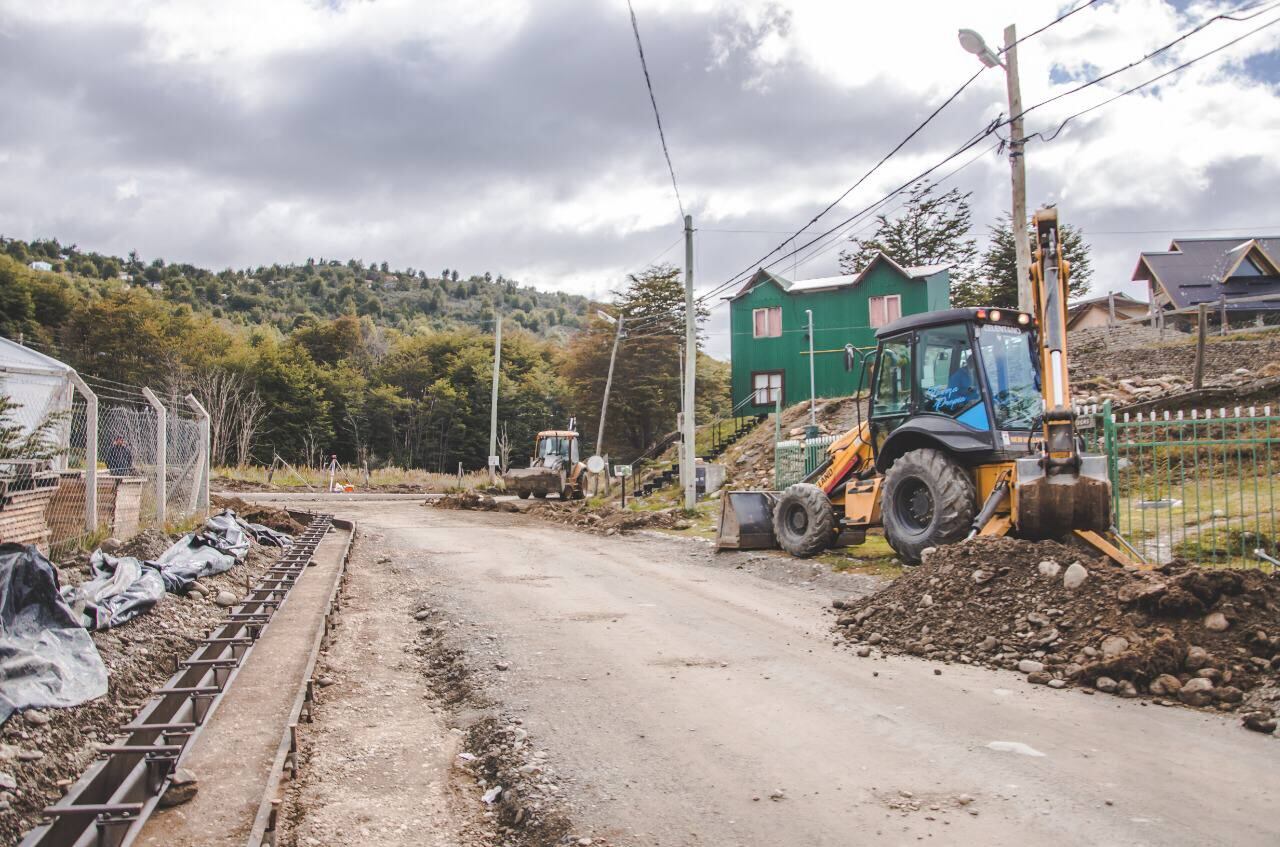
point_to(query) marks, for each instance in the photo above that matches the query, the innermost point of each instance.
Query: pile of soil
(606, 519)
(472, 501)
(40, 748)
(1200, 637)
(268, 516)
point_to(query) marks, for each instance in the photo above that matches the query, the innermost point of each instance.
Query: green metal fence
(795, 459)
(1200, 486)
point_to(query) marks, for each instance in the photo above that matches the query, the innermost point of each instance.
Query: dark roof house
(1231, 273)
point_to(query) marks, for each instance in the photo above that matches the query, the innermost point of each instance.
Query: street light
(974, 43)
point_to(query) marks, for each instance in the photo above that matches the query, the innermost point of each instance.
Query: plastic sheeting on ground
(47, 659)
(213, 550)
(267, 535)
(121, 589)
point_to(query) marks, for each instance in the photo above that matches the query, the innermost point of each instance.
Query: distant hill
(281, 295)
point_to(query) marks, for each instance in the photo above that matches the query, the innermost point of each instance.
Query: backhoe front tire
(803, 521)
(928, 500)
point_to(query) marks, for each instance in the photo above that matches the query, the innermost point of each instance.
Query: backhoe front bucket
(746, 521)
(1056, 505)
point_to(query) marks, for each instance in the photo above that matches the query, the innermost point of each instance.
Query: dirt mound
(147, 545)
(472, 501)
(607, 519)
(139, 657)
(1204, 638)
(268, 516)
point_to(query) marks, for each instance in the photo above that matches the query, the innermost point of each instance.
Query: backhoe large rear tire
(803, 521)
(928, 500)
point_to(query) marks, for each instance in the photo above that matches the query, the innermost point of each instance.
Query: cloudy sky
(516, 137)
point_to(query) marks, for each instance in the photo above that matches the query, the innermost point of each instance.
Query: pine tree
(931, 229)
(999, 268)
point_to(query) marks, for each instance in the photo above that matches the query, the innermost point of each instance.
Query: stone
(1260, 722)
(422, 615)
(30, 755)
(926, 553)
(1049, 568)
(1030, 666)
(1197, 692)
(182, 789)
(1197, 658)
(325, 681)
(988, 644)
(111, 546)
(1216, 622)
(1105, 684)
(1074, 577)
(197, 590)
(863, 651)
(875, 638)
(35, 717)
(1165, 685)
(1211, 674)
(1126, 689)
(1229, 694)
(981, 576)
(1038, 619)
(502, 666)
(1113, 646)
(226, 599)
(1057, 683)
(926, 600)
(7, 781)
(1039, 677)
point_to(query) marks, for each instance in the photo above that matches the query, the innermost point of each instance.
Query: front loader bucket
(746, 520)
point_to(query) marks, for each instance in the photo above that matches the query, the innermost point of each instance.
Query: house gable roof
(1205, 270)
(803, 286)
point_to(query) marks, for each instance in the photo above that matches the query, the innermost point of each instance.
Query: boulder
(1074, 577)
(1197, 692)
(1165, 685)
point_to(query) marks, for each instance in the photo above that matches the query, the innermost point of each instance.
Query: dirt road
(679, 700)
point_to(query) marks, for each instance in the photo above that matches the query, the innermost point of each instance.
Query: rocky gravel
(1196, 637)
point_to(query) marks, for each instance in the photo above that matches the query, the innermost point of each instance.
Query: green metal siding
(840, 316)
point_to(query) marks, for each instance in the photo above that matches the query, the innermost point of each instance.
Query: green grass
(874, 557)
(287, 479)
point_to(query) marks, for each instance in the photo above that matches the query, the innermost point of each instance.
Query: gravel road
(682, 700)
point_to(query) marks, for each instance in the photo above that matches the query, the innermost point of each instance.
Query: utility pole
(690, 477)
(604, 405)
(813, 407)
(974, 43)
(1018, 166)
(493, 405)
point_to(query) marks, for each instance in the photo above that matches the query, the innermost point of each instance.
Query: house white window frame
(771, 330)
(767, 395)
(887, 320)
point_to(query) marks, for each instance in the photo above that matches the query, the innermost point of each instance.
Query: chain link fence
(84, 458)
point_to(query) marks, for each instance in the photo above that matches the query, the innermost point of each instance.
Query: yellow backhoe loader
(970, 431)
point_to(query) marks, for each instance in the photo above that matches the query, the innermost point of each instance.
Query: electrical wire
(644, 66)
(1053, 135)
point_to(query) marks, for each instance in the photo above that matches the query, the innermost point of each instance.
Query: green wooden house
(769, 328)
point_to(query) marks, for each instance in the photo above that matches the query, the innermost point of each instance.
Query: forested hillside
(365, 376)
(324, 288)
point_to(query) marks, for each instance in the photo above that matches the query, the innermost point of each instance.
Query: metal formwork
(107, 806)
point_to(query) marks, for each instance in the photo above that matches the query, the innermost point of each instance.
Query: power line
(635, 27)
(1225, 16)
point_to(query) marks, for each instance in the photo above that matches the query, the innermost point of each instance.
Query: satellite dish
(595, 464)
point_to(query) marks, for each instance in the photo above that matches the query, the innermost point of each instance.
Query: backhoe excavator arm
(1050, 274)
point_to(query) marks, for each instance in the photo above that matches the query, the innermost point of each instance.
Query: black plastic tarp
(214, 550)
(267, 535)
(47, 659)
(120, 590)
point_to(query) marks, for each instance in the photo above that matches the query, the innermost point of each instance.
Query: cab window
(893, 379)
(946, 370)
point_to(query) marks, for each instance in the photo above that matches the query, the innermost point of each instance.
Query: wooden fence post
(1202, 330)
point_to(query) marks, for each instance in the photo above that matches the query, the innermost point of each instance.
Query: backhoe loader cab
(969, 430)
(554, 468)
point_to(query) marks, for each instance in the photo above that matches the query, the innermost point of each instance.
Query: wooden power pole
(689, 477)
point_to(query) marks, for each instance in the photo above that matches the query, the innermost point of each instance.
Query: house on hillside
(769, 340)
(1239, 279)
(1106, 310)
(40, 266)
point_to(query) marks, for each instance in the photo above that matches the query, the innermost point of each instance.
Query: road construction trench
(232, 758)
(681, 701)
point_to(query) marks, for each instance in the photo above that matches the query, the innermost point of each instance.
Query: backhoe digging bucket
(1056, 505)
(746, 521)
